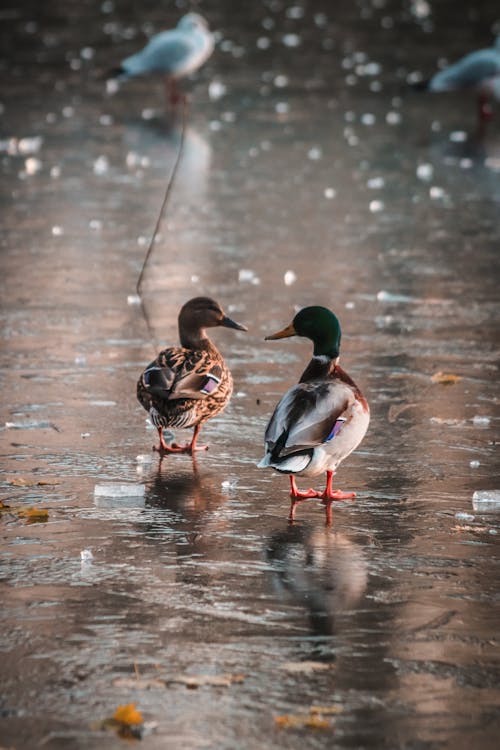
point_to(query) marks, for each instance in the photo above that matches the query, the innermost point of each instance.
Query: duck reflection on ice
(324, 572)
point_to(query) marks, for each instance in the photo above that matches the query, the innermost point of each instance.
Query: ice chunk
(375, 183)
(229, 484)
(393, 118)
(144, 458)
(32, 165)
(57, 231)
(425, 172)
(86, 556)
(282, 108)
(291, 40)
(475, 464)
(376, 206)
(436, 192)
(281, 81)
(263, 42)
(248, 276)
(479, 421)
(458, 136)
(216, 89)
(290, 278)
(133, 299)
(112, 86)
(101, 165)
(384, 296)
(368, 119)
(28, 425)
(30, 145)
(314, 153)
(484, 501)
(464, 516)
(113, 489)
(147, 113)
(330, 193)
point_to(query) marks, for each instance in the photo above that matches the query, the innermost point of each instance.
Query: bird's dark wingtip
(420, 85)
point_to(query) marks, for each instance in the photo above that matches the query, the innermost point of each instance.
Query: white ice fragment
(98, 402)
(87, 53)
(281, 81)
(86, 556)
(330, 193)
(375, 86)
(475, 464)
(106, 120)
(195, 278)
(375, 183)
(458, 136)
(80, 359)
(144, 458)
(30, 145)
(28, 425)
(228, 117)
(216, 89)
(95, 225)
(291, 40)
(290, 278)
(147, 113)
(484, 501)
(112, 489)
(436, 193)
(376, 206)
(55, 172)
(263, 42)
(229, 484)
(68, 111)
(425, 172)
(246, 275)
(32, 165)
(466, 163)
(384, 296)
(393, 118)
(314, 153)
(464, 516)
(282, 108)
(142, 241)
(349, 116)
(133, 299)
(372, 69)
(268, 23)
(215, 125)
(480, 421)
(101, 165)
(57, 231)
(112, 86)
(295, 11)
(420, 8)
(368, 119)
(320, 19)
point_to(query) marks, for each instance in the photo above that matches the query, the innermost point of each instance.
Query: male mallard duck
(175, 53)
(188, 384)
(321, 420)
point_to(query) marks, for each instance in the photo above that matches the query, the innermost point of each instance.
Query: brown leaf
(298, 721)
(445, 378)
(128, 714)
(34, 515)
(139, 683)
(24, 482)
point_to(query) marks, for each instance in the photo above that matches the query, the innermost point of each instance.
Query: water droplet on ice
(57, 231)
(376, 206)
(290, 278)
(330, 193)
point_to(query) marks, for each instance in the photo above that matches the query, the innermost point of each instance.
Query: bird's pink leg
(485, 111)
(329, 495)
(172, 92)
(190, 447)
(296, 496)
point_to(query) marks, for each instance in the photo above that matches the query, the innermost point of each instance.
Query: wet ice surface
(309, 175)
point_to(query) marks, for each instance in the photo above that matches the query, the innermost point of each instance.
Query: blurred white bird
(175, 53)
(478, 71)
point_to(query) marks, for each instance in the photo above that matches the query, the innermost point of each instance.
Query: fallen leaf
(23, 482)
(297, 721)
(326, 710)
(306, 666)
(445, 378)
(3, 506)
(34, 515)
(128, 714)
(216, 680)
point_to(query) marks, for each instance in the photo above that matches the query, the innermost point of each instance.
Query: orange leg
(296, 496)
(190, 448)
(329, 495)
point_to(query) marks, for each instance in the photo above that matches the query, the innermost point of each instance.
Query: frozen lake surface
(311, 174)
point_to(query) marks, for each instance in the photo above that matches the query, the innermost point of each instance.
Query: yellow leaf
(3, 506)
(328, 710)
(34, 515)
(297, 721)
(24, 482)
(128, 714)
(445, 378)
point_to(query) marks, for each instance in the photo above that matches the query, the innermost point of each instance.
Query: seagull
(478, 71)
(176, 53)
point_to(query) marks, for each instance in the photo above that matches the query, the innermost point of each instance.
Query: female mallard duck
(321, 420)
(188, 384)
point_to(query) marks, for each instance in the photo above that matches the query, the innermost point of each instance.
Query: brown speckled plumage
(188, 384)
